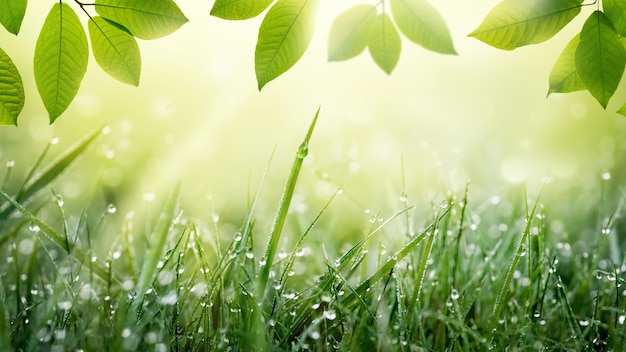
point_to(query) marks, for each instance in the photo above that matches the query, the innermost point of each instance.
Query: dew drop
(33, 227)
(330, 315)
(111, 209)
(454, 294)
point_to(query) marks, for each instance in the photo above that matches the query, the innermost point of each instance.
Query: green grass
(454, 274)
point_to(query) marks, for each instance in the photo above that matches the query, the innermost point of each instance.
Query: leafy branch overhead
(594, 59)
(62, 50)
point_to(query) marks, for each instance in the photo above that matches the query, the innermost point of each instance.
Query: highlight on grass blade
(283, 207)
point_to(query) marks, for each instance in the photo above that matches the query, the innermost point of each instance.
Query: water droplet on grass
(454, 294)
(111, 209)
(64, 305)
(330, 314)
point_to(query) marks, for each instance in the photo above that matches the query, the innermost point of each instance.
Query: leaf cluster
(62, 50)
(593, 60)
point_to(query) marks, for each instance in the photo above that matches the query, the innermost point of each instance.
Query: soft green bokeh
(198, 118)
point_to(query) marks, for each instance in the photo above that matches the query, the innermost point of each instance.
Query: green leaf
(600, 57)
(115, 50)
(515, 23)
(349, 31)
(11, 91)
(622, 110)
(144, 19)
(239, 9)
(615, 10)
(11, 14)
(384, 42)
(284, 36)
(61, 56)
(419, 21)
(564, 77)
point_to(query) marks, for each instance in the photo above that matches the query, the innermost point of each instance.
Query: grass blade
(5, 340)
(51, 171)
(500, 300)
(283, 207)
(391, 263)
(78, 253)
(159, 239)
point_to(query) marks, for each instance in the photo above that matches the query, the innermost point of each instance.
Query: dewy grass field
(448, 207)
(452, 274)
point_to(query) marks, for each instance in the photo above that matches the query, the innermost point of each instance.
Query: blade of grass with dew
(283, 208)
(232, 272)
(349, 260)
(292, 257)
(157, 246)
(460, 234)
(5, 338)
(500, 300)
(391, 263)
(52, 170)
(58, 239)
(421, 269)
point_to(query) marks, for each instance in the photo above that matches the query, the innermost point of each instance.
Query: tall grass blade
(5, 339)
(158, 241)
(386, 268)
(283, 207)
(78, 253)
(500, 300)
(35, 183)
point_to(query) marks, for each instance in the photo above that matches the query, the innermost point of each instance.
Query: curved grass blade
(52, 171)
(11, 91)
(500, 301)
(5, 339)
(158, 241)
(391, 263)
(78, 253)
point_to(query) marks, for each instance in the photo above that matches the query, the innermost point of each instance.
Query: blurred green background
(437, 121)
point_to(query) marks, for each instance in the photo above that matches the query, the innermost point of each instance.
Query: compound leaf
(600, 57)
(615, 10)
(515, 23)
(349, 33)
(11, 14)
(384, 42)
(144, 19)
(564, 77)
(61, 56)
(11, 91)
(115, 50)
(419, 21)
(239, 9)
(284, 36)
